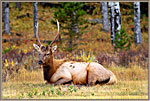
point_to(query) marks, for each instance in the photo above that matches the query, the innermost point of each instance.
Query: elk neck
(50, 68)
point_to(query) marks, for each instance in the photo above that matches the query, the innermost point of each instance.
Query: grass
(122, 90)
(30, 85)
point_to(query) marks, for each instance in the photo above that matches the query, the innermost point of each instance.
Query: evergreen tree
(70, 18)
(122, 40)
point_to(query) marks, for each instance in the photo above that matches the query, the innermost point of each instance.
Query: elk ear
(36, 47)
(54, 48)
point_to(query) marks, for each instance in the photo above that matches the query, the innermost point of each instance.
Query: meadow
(132, 84)
(22, 77)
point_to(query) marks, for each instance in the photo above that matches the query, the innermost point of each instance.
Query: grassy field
(23, 79)
(39, 90)
(30, 85)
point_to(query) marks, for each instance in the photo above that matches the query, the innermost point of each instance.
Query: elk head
(45, 52)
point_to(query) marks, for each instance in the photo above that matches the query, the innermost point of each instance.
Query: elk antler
(56, 35)
(37, 35)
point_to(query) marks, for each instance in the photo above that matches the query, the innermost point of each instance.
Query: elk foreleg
(62, 81)
(61, 77)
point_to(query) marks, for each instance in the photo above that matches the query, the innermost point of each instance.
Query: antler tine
(56, 35)
(37, 36)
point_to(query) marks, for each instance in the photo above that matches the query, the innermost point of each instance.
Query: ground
(30, 85)
(122, 90)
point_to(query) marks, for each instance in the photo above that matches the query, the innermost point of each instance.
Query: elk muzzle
(40, 62)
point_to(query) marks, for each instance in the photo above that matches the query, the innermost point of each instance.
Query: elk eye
(48, 54)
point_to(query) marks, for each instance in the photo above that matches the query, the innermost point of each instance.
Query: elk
(61, 71)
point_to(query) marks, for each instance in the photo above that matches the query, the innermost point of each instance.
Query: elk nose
(40, 62)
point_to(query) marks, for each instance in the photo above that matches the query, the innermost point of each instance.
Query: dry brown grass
(132, 84)
(28, 76)
(134, 73)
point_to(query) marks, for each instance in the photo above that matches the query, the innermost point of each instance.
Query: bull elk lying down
(60, 71)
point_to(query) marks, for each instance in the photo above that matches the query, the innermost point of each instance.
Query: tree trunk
(112, 24)
(35, 17)
(3, 8)
(75, 28)
(70, 43)
(104, 16)
(6, 18)
(73, 32)
(18, 5)
(137, 29)
(117, 17)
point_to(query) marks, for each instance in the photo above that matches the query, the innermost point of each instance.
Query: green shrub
(122, 40)
(84, 56)
(6, 50)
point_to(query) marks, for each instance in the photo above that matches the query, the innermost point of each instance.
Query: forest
(113, 34)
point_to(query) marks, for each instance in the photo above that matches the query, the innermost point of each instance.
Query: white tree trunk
(115, 19)
(137, 29)
(104, 16)
(6, 18)
(35, 16)
(112, 24)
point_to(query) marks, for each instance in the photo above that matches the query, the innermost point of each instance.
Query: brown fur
(60, 71)
(69, 72)
(53, 66)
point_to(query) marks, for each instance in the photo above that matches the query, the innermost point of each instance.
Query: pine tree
(70, 18)
(122, 40)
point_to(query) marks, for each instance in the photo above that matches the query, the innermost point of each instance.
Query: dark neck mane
(50, 69)
(46, 70)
